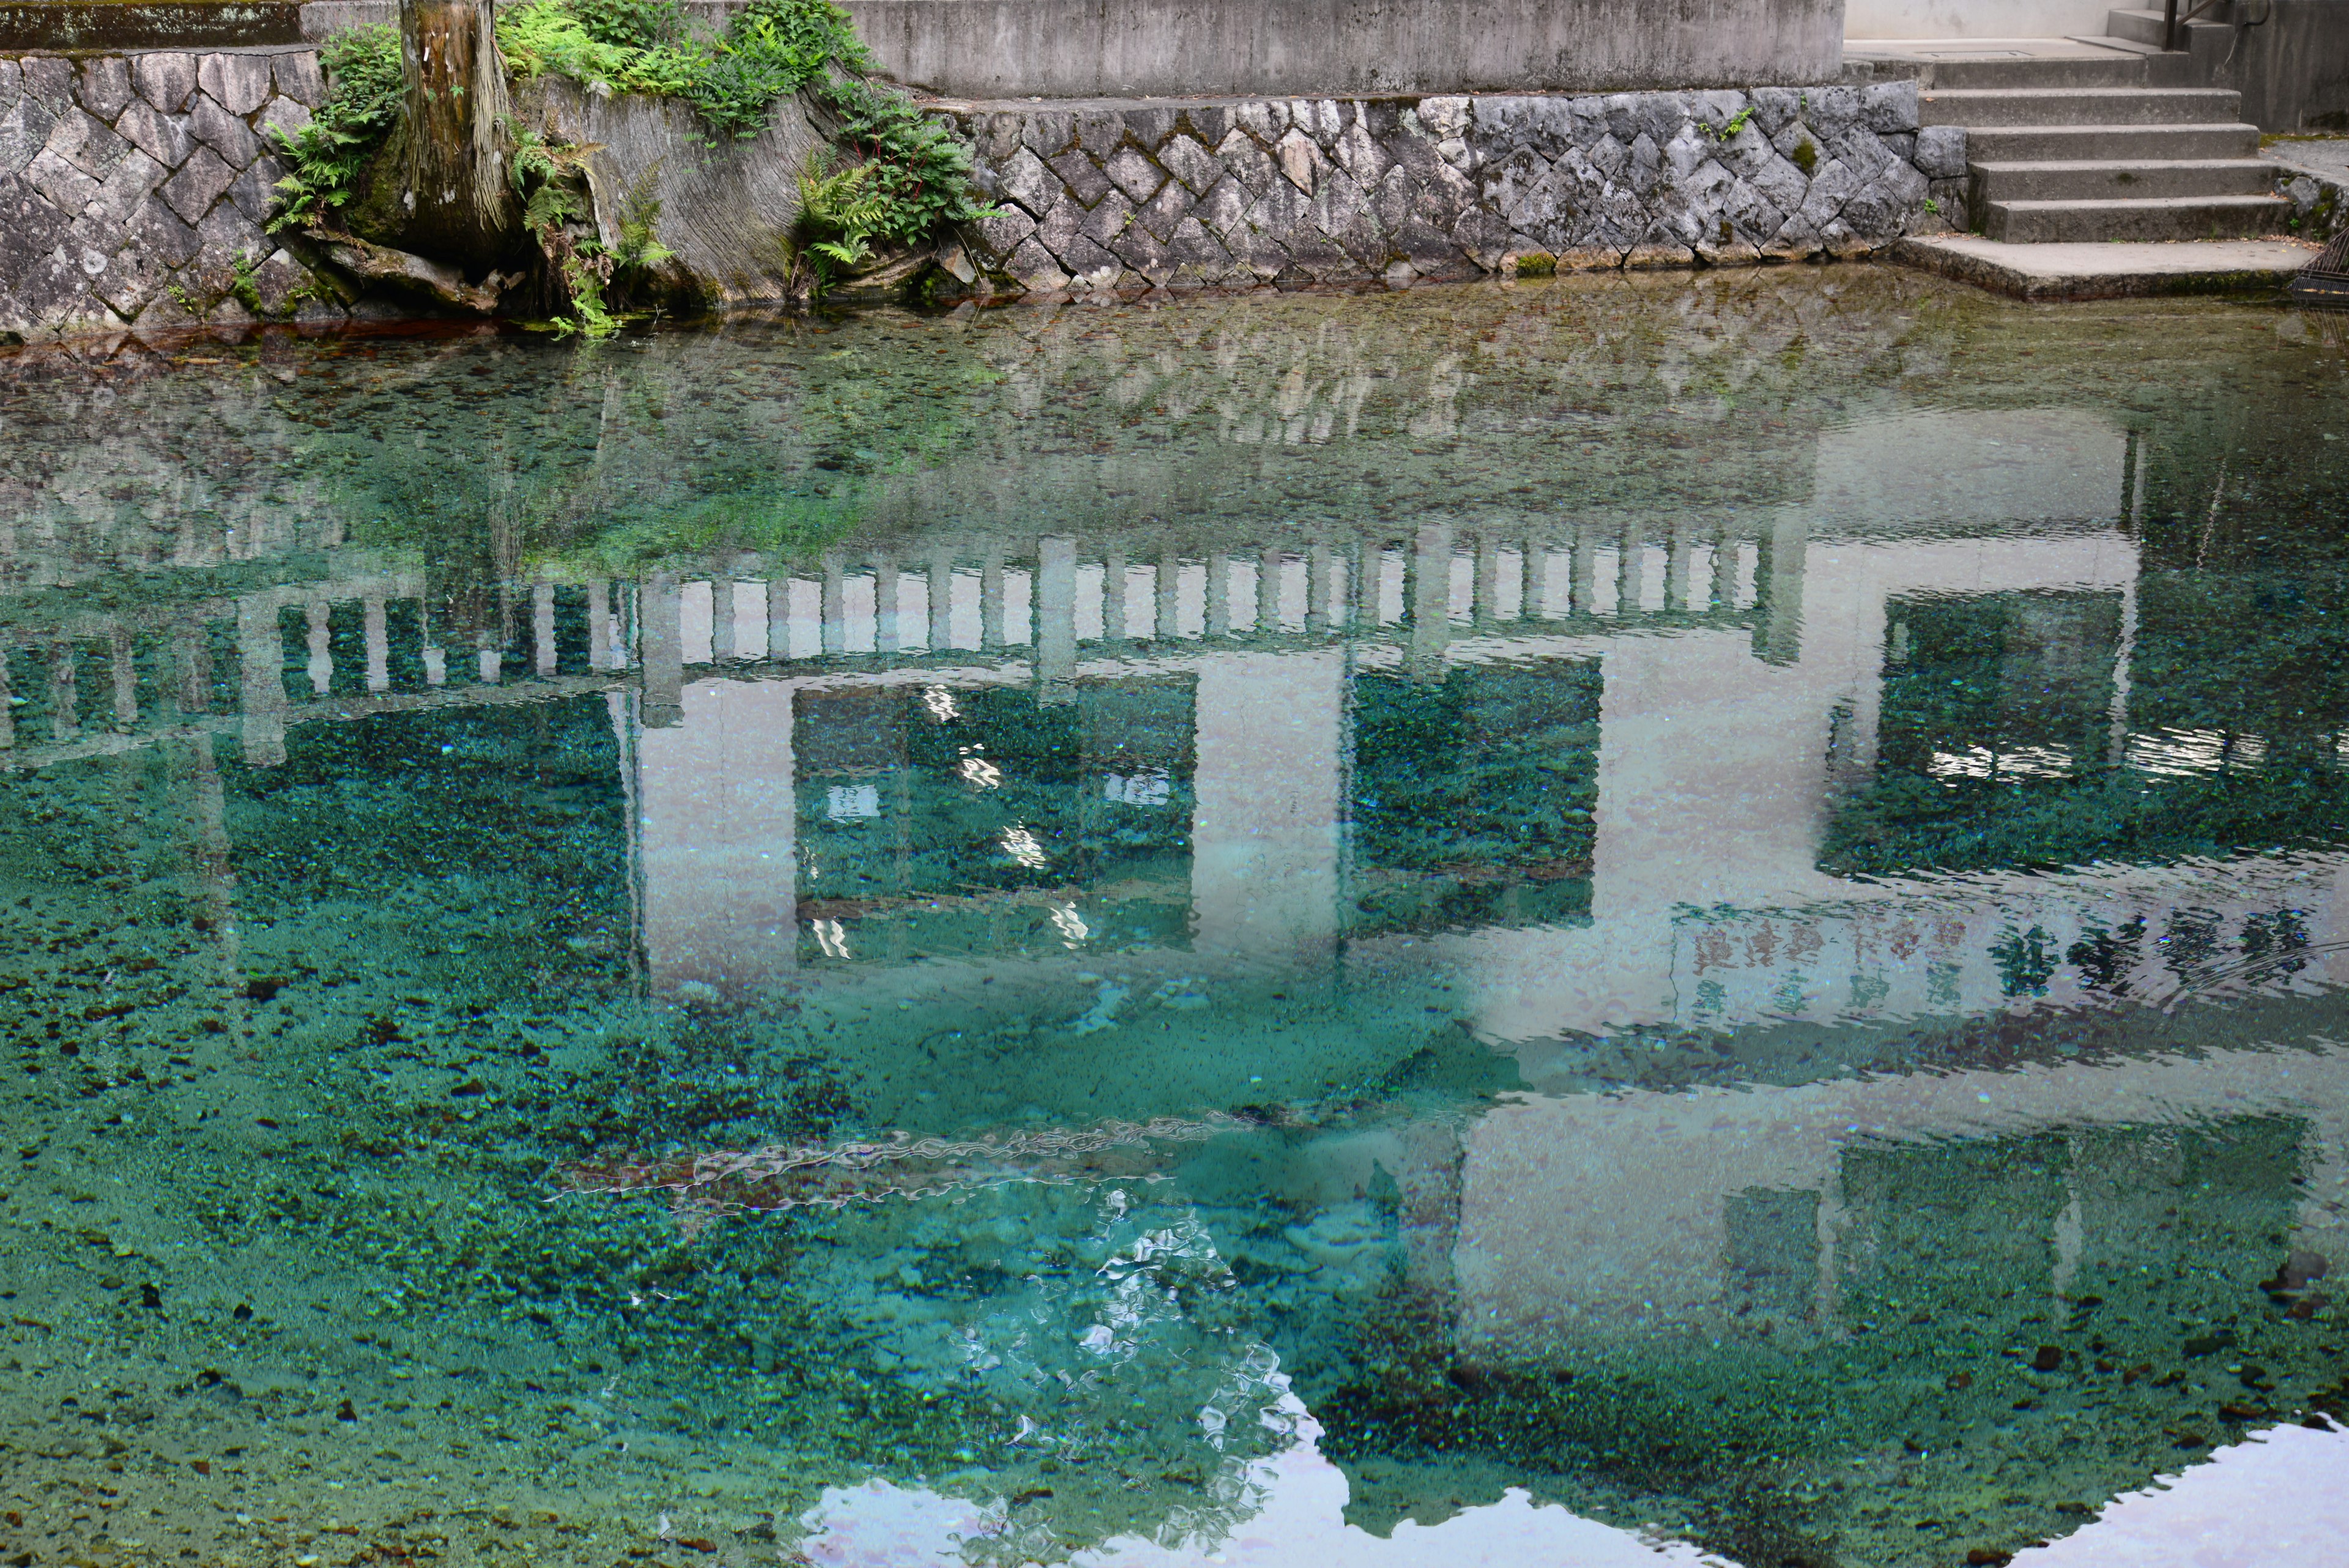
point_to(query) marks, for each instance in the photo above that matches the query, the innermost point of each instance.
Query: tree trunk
(456, 204)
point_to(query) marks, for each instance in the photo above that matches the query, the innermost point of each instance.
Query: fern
(362, 104)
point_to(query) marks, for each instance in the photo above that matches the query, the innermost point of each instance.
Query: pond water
(1688, 920)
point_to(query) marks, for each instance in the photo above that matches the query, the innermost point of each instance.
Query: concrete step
(2082, 143)
(2119, 179)
(2139, 26)
(2174, 218)
(1988, 106)
(2121, 69)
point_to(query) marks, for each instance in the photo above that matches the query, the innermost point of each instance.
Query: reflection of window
(846, 803)
(995, 836)
(1150, 788)
(1473, 797)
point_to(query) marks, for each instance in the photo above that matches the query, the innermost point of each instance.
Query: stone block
(11, 85)
(1775, 108)
(1059, 227)
(1037, 268)
(132, 277)
(1090, 264)
(23, 131)
(104, 86)
(1831, 109)
(993, 137)
(278, 280)
(1444, 117)
(68, 189)
(1687, 152)
(1262, 120)
(256, 191)
(1028, 182)
(200, 181)
(209, 122)
(161, 137)
(159, 230)
(1152, 125)
(1145, 253)
(1100, 131)
(239, 83)
(1163, 212)
(1610, 156)
(122, 191)
(167, 81)
(49, 81)
(297, 77)
(30, 227)
(1888, 107)
(1223, 208)
(1194, 165)
(1357, 152)
(1196, 255)
(1256, 251)
(1048, 133)
(1209, 123)
(286, 116)
(1941, 151)
(1300, 159)
(1001, 235)
(86, 143)
(48, 293)
(1135, 174)
(1342, 210)
(1081, 177)
(1645, 165)
(1247, 162)
(1106, 222)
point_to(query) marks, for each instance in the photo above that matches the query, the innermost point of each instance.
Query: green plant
(1727, 132)
(242, 285)
(1806, 155)
(362, 104)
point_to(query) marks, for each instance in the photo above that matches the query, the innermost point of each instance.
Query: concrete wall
(1974, 18)
(1086, 48)
(2294, 69)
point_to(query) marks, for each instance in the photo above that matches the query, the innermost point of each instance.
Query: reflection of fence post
(1056, 617)
(1269, 565)
(1429, 595)
(1631, 564)
(1170, 595)
(1725, 567)
(1533, 579)
(941, 597)
(778, 616)
(126, 684)
(1113, 597)
(1678, 547)
(600, 653)
(1582, 569)
(888, 603)
(1320, 590)
(7, 703)
(542, 627)
(260, 669)
(320, 616)
(833, 610)
(661, 636)
(990, 601)
(1779, 637)
(376, 633)
(1486, 605)
(1219, 593)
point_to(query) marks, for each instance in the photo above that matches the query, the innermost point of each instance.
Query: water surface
(1505, 920)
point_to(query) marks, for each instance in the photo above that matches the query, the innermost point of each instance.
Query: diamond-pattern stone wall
(1173, 193)
(133, 188)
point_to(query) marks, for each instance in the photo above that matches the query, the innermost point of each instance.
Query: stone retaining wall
(1124, 196)
(133, 188)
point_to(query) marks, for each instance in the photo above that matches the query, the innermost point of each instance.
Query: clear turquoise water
(1708, 907)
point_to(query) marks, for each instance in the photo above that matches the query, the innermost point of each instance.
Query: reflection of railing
(376, 643)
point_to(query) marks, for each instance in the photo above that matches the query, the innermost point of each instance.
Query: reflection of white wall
(1264, 857)
(715, 805)
(1713, 775)
(1992, 467)
(1610, 1213)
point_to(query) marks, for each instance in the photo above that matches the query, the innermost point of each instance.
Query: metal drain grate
(2326, 280)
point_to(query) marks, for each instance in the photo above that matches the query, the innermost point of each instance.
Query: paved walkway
(2326, 156)
(2109, 271)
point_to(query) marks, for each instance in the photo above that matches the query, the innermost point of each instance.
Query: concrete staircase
(2103, 149)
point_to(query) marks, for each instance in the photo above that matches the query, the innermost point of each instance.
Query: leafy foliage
(908, 173)
(362, 104)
